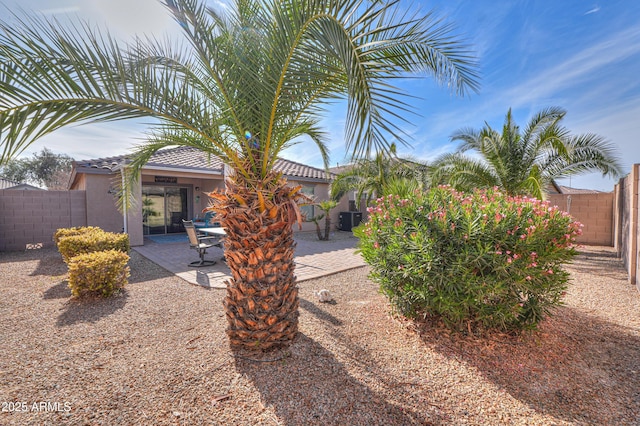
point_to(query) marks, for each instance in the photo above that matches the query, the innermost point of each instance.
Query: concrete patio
(313, 258)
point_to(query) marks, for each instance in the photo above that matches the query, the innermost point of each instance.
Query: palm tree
(374, 176)
(251, 82)
(326, 207)
(524, 163)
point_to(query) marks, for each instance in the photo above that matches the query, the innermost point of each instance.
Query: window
(308, 211)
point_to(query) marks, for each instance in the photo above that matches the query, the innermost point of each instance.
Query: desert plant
(479, 261)
(377, 176)
(524, 162)
(99, 272)
(89, 242)
(78, 230)
(326, 207)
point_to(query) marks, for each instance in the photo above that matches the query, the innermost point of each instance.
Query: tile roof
(10, 184)
(293, 169)
(6, 183)
(339, 169)
(192, 159)
(561, 189)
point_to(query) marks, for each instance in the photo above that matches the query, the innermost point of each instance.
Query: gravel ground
(157, 354)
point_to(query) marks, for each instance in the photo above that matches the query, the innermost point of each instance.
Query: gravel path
(158, 354)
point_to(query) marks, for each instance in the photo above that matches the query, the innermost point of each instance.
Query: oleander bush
(479, 261)
(88, 242)
(99, 272)
(68, 232)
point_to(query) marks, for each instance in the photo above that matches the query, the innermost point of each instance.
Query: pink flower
(528, 277)
(550, 272)
(376, 245)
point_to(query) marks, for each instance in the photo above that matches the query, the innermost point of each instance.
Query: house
(9, 184)
(554, 188)
(172, 187)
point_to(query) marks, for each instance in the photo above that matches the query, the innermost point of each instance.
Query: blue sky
(581, 56)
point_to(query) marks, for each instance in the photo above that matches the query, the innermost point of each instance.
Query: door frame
(166, 214)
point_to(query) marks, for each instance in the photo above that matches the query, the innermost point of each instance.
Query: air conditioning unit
(349, 220)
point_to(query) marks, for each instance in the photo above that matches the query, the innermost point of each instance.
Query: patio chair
(200, 243)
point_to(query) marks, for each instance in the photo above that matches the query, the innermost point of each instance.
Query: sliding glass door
(163, 208)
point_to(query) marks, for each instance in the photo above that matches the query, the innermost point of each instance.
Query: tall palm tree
(251, 82)
(524, 162)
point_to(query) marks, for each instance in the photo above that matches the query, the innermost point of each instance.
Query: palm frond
(260, 67)
(526, 162)
(464, 173)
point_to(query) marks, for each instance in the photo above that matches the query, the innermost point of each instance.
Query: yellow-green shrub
(89, 242)
(100, 272)
(79, 230)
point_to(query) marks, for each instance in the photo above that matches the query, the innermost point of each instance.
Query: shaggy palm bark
(262, 297)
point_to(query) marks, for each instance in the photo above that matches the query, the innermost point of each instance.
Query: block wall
(594, 211)
(28, 219)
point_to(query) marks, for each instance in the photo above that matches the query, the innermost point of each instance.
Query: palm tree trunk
(318, 231)
(262, 297)
(327, 227)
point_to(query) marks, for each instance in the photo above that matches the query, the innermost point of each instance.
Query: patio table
(218, 230)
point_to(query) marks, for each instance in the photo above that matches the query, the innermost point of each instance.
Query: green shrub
(477, 261)
(100, 272)
(68, 232)
(89, 242)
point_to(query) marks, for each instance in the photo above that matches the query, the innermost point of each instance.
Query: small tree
(326, 207)
(44, 169)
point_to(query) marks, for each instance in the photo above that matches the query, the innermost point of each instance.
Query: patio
(313, 258)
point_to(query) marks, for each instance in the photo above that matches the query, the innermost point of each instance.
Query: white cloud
(59, 10)
(91, 140)
(577, 68)
(128, 17)
(594, 10)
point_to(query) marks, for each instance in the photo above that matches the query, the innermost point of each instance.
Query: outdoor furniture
(200, 243)
(217, 232)
(206, 221)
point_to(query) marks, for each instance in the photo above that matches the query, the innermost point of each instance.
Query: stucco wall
(636, 247)
(627, 218)
(28, 219)
(101, 204)
(321, 193)
(594, 211)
